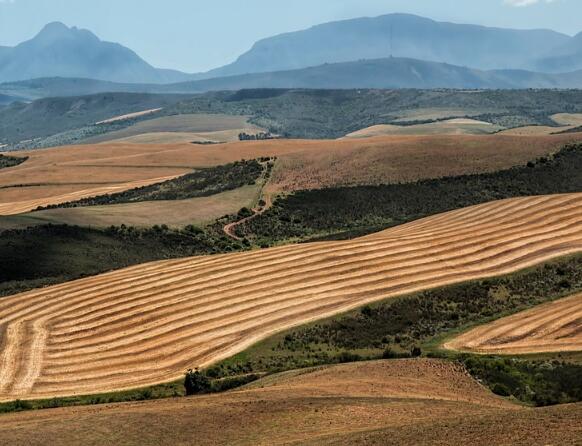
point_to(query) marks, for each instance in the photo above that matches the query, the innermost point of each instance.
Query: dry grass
(185, 137)
(552, 327)
(147, 324)
(177, 213)
(195, 123)
(55, 175)
(397, 402)
(448, 127)
(392, 159)
(567, 121)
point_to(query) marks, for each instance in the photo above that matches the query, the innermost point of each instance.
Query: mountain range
(391, 51)
(70, 52)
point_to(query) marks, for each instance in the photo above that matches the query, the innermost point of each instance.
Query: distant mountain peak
(57, 31)
(62, 51)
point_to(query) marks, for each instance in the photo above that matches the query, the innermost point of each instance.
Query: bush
(196, 383)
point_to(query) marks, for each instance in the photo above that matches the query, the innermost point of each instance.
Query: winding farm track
(553, 327)
(148, 324)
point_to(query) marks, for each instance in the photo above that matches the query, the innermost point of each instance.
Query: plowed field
(148, 324)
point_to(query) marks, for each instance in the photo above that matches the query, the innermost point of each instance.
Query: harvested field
(462, 126)
(336, 405)
(19, 207)
(50, 175)
(185, 137)
(176, 213)
(148, 324)
(552, 327)
(567, 121)
(196, 123)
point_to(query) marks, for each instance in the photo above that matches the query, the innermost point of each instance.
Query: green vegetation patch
(541, 383)
(11, 161)
(201, 183)
(332, 114)
(354, 211)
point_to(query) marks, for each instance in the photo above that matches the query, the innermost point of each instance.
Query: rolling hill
(566, 57)
(44, 117)
(388, 73)
(147, 324)
(421, 402)
(399, 35)
(70, 52)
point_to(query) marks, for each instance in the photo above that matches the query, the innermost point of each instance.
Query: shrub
(196, 383)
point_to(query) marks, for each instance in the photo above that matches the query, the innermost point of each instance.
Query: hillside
(388, 402)
(192, 312)
(64, 174)
(58, 50)
(52, 87)
(45, 117)
(388, 73)
(399, 35)
(564, 58)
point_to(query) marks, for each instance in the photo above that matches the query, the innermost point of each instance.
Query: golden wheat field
(58, 175)
(553, 327)
(148, 324)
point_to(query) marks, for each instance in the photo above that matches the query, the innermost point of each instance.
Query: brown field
(462, 126)
(552, 327)
(195, 123)
(393, 402)
(56, 175)
(177, 213)
(147, 324)
(185, 137)
(567, 121)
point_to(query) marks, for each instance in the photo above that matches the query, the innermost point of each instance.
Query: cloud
(527, 2)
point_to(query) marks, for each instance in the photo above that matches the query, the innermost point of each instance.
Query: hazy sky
(196, 35)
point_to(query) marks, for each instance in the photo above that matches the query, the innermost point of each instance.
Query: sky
(197, 35)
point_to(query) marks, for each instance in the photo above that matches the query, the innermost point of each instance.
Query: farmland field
(174, 213)
(53, 176)
(402, 402)
(189, 123)
(65, 339)
(553, 327)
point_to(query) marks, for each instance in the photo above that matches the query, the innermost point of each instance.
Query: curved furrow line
(323, 272)
(152, 362)
(94, 308)
(147, 324)
(182, 264)
(551, 327)
(372, 285)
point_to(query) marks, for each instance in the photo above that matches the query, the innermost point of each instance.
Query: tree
(196, 383)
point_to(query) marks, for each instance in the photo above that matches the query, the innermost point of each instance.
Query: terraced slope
(553, 327)
(148, 324)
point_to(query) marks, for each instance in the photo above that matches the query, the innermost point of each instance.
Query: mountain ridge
(59, 50)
